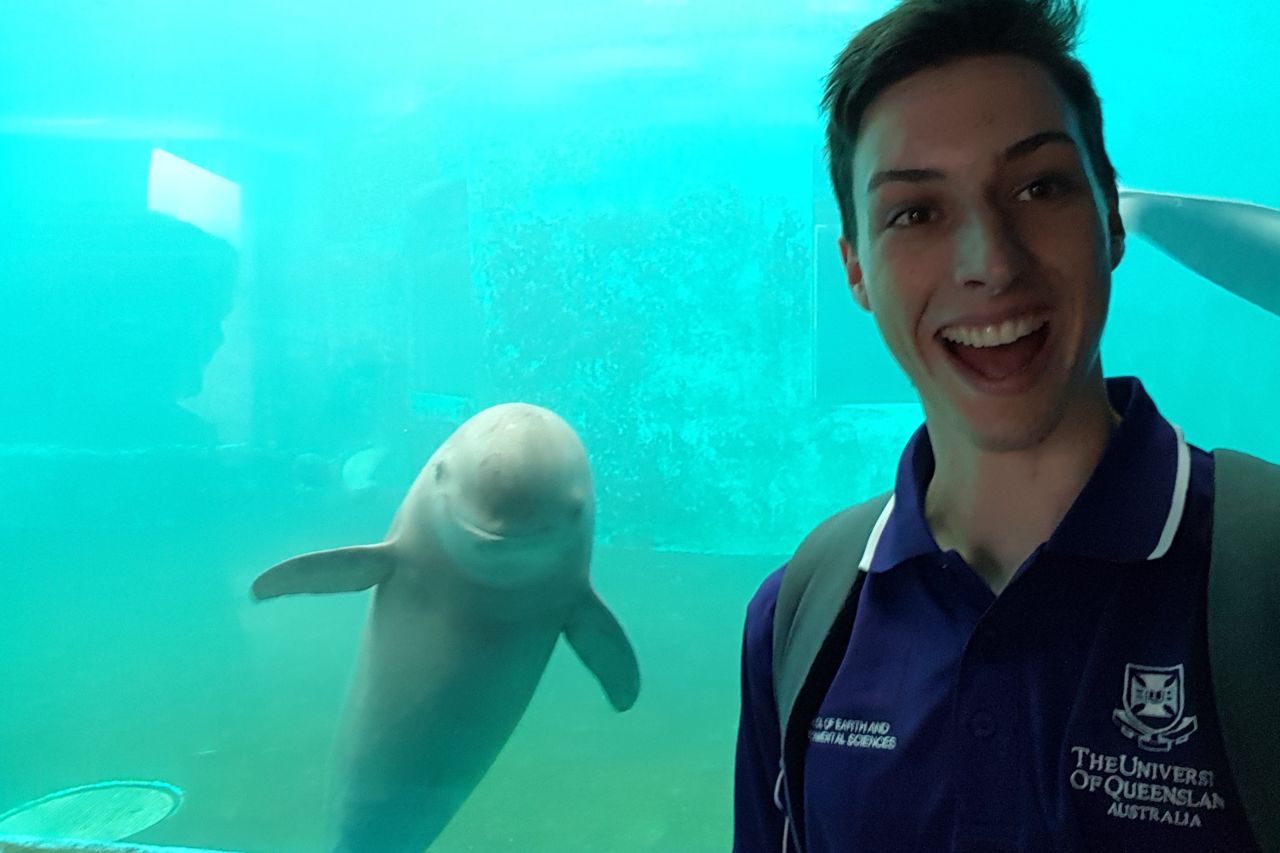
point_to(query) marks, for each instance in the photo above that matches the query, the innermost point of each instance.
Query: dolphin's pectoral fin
(339, 570)
(599, 641)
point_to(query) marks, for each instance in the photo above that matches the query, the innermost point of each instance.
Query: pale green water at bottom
(129, 666)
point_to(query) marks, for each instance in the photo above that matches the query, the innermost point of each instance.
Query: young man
(1026, 667)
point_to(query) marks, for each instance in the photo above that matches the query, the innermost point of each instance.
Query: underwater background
(259, 259)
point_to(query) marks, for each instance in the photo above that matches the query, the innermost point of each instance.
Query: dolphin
(1234, 244)
(485, 565)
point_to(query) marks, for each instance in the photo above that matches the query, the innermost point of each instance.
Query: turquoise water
(369, 221)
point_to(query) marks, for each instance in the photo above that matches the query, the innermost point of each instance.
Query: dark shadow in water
(109, 324)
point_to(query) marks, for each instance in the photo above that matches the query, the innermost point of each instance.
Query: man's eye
(1050, 186)
(911, 216)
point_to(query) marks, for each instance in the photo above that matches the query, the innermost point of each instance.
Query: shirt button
(982, 725)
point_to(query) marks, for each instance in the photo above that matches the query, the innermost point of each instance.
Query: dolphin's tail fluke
(1234, 244)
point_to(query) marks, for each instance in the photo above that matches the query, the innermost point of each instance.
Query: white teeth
(994, 336)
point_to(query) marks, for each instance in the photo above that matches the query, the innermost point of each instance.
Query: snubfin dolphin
(484, 567)
(1234, 244)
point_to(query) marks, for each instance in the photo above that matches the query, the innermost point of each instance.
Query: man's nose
(989, 251)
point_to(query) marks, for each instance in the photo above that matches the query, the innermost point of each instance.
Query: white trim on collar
(1181, 483)
(874, 540)
(1177, 505)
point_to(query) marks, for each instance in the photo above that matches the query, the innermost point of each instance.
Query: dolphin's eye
(441, 473)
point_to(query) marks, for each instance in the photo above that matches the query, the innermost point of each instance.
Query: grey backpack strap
(1244, 631)
(815, 584)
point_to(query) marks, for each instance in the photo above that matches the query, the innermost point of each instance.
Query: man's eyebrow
(1031, 143)
(1018, 149)
(913, 176)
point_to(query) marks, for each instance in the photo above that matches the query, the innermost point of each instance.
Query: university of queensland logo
(1153, 707)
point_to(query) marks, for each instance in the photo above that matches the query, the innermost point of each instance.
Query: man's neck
(996, 508)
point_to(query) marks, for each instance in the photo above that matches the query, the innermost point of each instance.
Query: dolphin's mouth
(476, 530)
(487, 535)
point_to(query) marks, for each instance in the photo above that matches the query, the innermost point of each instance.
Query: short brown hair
(917, 34)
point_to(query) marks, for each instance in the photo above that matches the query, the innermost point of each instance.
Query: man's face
(989, 204)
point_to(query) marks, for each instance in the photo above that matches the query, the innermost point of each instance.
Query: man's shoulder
(759, 628)
(831, 530)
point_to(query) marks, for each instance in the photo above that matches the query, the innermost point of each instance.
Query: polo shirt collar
(1128, 511)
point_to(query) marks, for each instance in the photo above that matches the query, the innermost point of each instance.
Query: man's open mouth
(994, 357)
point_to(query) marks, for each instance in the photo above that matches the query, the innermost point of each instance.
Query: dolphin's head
(513, 494)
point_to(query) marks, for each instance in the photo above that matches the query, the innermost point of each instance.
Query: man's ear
(853, 273)
(1115, 228)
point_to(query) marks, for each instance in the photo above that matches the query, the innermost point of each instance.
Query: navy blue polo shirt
(1073, 712)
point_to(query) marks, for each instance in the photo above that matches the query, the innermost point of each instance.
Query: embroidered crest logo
(1153, 707)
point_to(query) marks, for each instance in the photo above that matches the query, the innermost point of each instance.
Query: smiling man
(1022, 664)
(984, 245)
